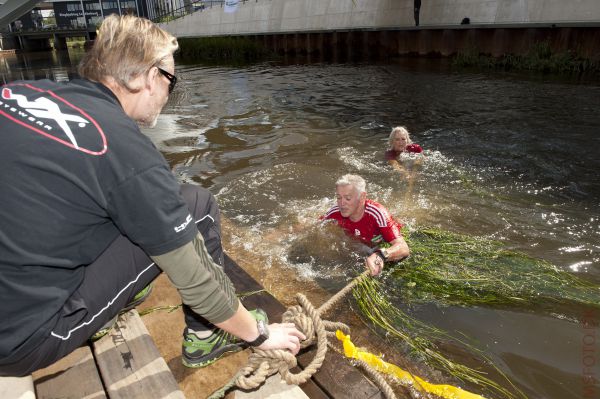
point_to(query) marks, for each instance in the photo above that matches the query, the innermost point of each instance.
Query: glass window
(95, 21)
(79, 22)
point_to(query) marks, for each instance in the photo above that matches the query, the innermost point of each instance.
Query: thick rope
(341, 293)
(376, 376)
(264, 363)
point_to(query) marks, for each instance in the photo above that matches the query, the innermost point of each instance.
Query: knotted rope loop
(307, 319)
(251, 375)
(263, 363)
(295, 314)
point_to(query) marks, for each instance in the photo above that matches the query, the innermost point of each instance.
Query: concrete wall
(280, 16)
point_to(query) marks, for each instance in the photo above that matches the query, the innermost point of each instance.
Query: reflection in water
(55, 65)
(506, 158)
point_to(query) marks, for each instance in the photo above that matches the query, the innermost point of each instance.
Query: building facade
(88, 13)
(65, 14)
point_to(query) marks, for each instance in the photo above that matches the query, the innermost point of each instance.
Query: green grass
(540, 58)
(165, 18)
(231, 48)
(75, 42)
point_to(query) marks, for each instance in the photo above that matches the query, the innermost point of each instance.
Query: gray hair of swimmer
(398, 130)
(353, 180)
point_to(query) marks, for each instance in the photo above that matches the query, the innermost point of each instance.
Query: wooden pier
(126, 364)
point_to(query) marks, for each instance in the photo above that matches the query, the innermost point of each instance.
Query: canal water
(510, 157)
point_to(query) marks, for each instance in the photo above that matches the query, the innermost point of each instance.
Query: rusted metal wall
(585, 41)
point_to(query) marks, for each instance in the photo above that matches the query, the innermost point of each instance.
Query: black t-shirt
(75, 172)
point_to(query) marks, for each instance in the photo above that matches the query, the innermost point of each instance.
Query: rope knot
(307, 319)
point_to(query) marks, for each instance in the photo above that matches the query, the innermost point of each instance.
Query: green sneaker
(137, 299)
(104, 330)
(200, 352)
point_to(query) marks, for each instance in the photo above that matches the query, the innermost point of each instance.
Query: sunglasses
(172, 78)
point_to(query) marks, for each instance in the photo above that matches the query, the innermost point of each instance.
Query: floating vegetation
(421, 338)
(454, 269)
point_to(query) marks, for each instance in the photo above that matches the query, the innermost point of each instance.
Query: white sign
(231, 5)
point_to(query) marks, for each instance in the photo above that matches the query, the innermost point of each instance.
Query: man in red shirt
(368, 221)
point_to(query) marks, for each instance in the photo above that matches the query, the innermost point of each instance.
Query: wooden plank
(17, 387)
(273, 388)
(311, 389)
(337, 378)
(73, 377)
(130, 364)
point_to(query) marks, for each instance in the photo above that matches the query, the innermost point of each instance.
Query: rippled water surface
(508, 157)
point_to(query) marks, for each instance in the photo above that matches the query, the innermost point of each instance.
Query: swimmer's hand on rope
(396, 252)
(374, 263)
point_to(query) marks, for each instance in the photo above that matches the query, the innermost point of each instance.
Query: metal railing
(193, 6)
(45, 29)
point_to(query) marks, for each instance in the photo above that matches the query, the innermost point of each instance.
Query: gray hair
(353, 180)
(397, 131)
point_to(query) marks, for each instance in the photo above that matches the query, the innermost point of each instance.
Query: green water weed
(447, 268)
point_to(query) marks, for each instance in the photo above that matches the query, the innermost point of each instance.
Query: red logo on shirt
(53, 117)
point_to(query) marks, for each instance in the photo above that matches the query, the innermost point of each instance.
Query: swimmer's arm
(420, 158)
(398, 251)
(274, 235)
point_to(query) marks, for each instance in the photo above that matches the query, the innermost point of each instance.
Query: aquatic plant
(421, 339)
(456, 269)
(453, 269)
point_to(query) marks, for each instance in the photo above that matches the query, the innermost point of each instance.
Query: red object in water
(414, 148)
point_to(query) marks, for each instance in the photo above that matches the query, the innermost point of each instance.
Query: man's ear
(363, 196)
(151, 80)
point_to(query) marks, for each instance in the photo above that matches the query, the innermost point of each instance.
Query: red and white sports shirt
(376, 224)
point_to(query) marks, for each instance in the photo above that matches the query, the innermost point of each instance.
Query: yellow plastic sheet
(444, 391)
